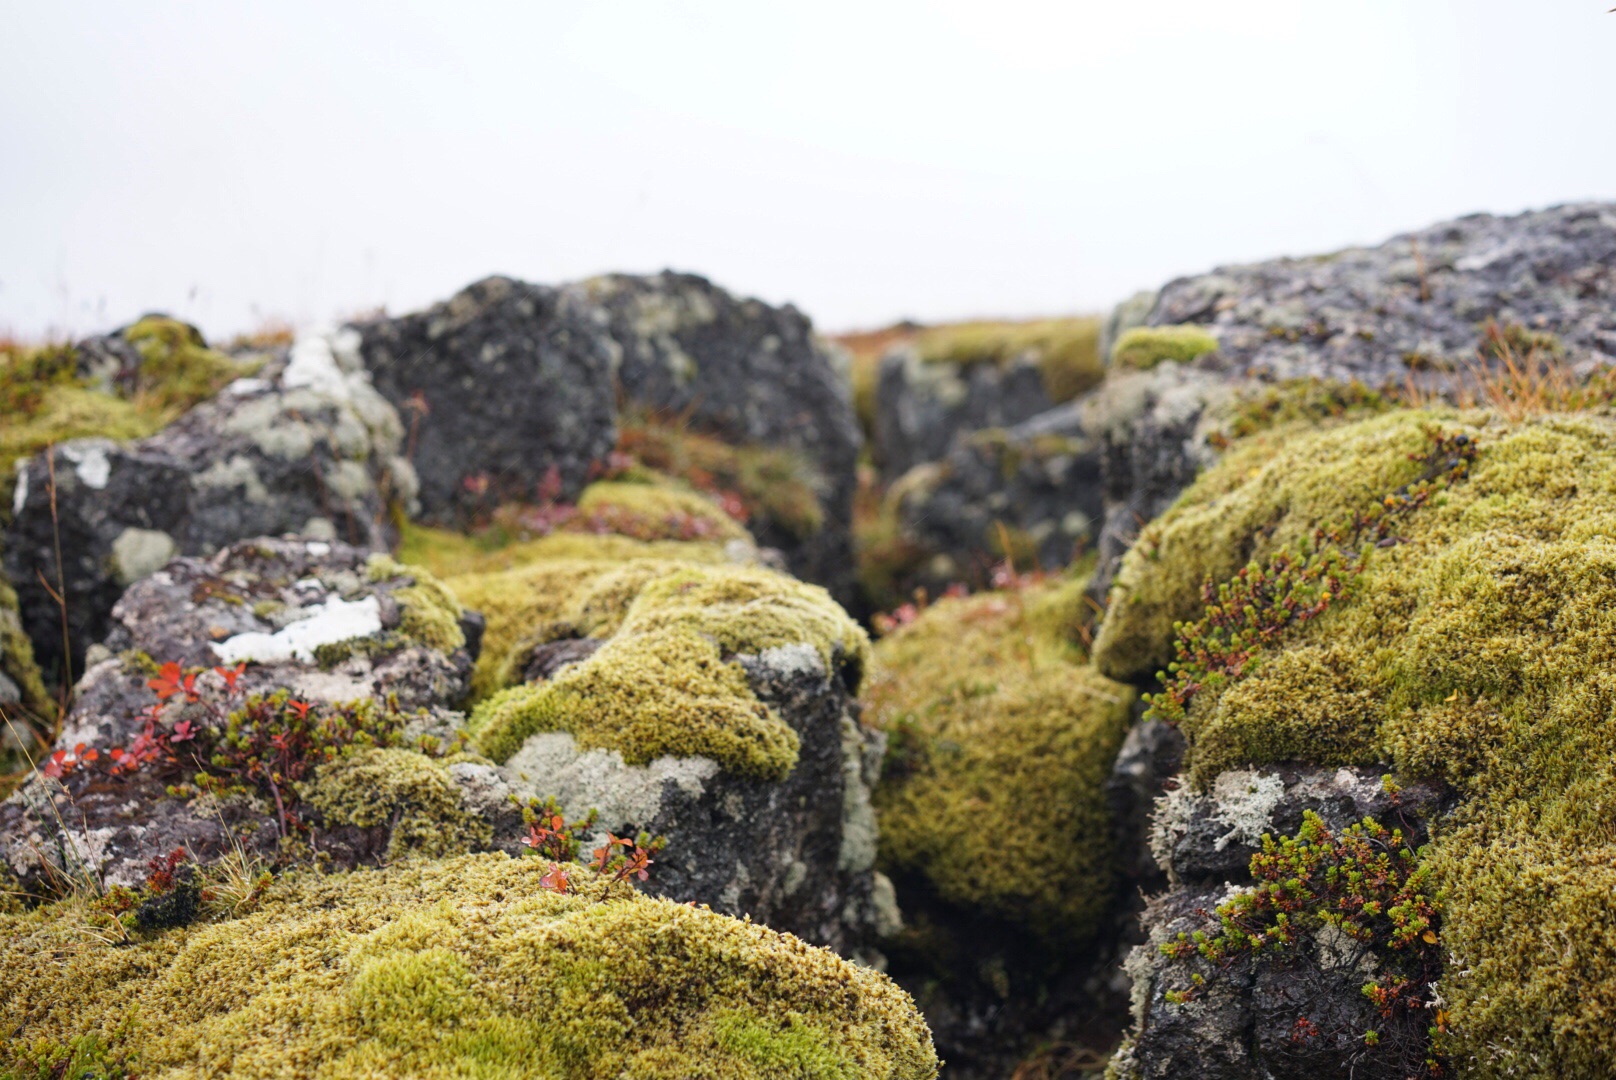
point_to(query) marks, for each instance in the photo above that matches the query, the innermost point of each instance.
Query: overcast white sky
(231, 162)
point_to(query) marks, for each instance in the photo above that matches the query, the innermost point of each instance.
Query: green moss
(450, 554)
(663, 683)
(1144, 347)
(1001, 743)
(429, 613)
(656, 512)
(1476, 648)
(465, 967)
(29, 726)
(1067, 351)
(760, 485)
(177, 368)
(885, 559)
(43, 400)
(409, 791)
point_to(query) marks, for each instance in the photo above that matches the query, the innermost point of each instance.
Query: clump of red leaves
(553, 837)
(273, 741)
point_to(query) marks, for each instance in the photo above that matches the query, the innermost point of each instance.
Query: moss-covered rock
(410, 795)
(27, 712)
(652, 511)
(1001, 740)
(149, 373)
(1066, 351)
(1469, 643)
(465, 967)
(1144, 347)
(663, 682)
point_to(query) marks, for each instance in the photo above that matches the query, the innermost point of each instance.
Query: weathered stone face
(497, 386)
(749, 373)
(305, 447)
(923, 407)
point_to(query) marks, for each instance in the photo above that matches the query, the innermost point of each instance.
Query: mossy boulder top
(461, 967)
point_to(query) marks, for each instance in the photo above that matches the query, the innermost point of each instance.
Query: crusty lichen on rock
(463, 967)
(1475, 647)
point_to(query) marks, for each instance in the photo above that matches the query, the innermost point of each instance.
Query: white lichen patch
(139, 553)
(90, 461)
(1244, 800)
(550, 764)
(336, 620)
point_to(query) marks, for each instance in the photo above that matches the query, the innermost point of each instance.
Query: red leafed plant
(556, 839)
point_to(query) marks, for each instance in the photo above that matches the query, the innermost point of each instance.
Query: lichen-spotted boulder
(709, 704)
(752, 374)
(303, 445)
(506, 389)
(289, 697)
(467, 966)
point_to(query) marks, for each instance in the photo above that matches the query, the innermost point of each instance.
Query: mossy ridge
(410, 793)
(1476, 650)
(429, 612)
(1144, 347)
(655, 511)
(461, 967)
(771, 483)
(449, 554)
(1001, 742)
(1067, 351)
(44, 399)
(664, 683)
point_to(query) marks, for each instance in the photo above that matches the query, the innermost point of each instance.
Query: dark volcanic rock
(1244, 1021)
(747, 372)
(498, 385)
(274, 603)
(307, 447)
(1031, 492)
(797, 854)
(922, 406)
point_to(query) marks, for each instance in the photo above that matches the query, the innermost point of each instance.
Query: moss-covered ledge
(464, 967)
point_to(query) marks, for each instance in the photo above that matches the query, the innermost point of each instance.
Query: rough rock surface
(923, 406)
(1413, 309)
(499, 385)
(797, 854)
(749, 373)
(272, 603)
(1031, 492)
(1244, 1022)
(1417, 302)
(307, 446)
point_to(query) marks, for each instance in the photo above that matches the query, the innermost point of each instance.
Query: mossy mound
(655, 511)
(1067, 351)
(1474, 643)
(450, 554)
(1001, 740)
(1144, 347)
(763, 483)
(45, 398)
(663, 682)
(465, 967)
(410, 794)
